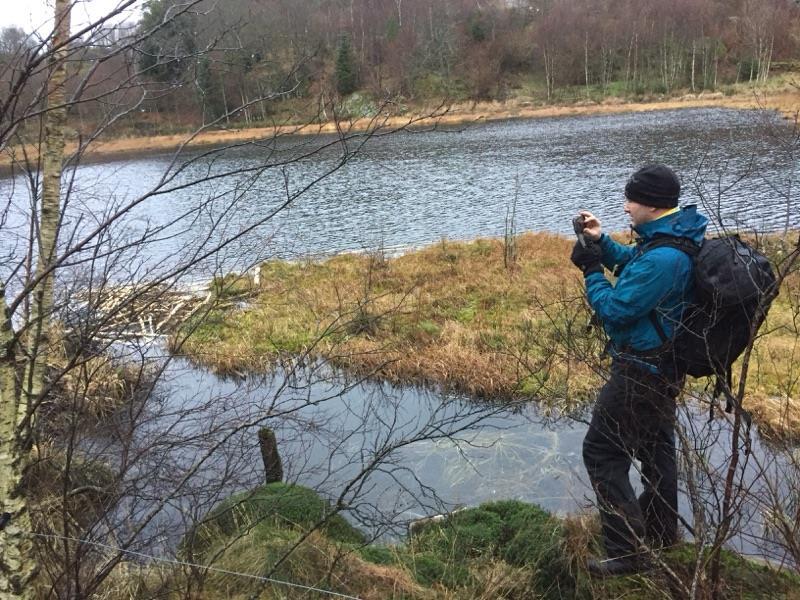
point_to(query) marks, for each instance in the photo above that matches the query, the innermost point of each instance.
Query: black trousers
(634, 418)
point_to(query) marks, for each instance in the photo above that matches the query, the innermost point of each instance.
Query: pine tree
(345, 67)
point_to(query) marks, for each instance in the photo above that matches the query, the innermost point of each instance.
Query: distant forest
(216, 59)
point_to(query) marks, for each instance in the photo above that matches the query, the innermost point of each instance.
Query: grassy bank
(505, 549)
(451, 315)
(490, 319)
(780, 94)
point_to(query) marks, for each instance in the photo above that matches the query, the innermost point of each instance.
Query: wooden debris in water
(131, 311)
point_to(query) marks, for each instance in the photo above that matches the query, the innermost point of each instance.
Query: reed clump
(95, 382)
(457, 316)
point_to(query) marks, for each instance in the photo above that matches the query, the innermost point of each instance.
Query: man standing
(634, 415)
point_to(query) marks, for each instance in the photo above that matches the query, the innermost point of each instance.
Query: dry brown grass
(497, 579)
(315, 562)
(778, 418)
(582, 536)
(98, 386)
(93, 385)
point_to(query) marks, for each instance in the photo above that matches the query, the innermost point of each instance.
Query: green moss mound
(290, 534)
(740, 579)
(520, 534)
(270, 508)
(430, 569)
(533, 544)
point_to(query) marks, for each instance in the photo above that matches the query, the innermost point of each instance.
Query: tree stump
(273, 469)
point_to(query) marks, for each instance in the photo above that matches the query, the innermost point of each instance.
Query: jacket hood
(686, 223)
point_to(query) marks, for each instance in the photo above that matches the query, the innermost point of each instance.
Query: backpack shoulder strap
(657, 326)
(679, 243)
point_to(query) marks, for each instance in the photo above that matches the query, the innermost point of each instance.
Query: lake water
(410, 188)
(399, 191)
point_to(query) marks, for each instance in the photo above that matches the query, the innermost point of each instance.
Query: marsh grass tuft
(290, 532)
(95, 383)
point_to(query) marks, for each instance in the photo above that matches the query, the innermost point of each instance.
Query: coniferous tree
(165, 55)
(345, 67)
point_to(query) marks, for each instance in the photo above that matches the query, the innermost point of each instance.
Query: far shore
(785, 102)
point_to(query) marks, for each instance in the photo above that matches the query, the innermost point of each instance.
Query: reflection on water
(389, 454)
(530, 461)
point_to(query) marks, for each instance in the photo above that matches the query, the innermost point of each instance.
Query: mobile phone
(578, 223)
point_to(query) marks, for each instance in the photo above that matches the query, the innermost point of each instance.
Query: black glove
(587, 258)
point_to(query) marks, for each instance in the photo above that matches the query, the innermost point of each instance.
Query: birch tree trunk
(765, 60)
(225, 100)
(705, 63)
(16, 566)
(18, 398)
(586, 62)
(50, 213)
(628, 66)
(548, 75)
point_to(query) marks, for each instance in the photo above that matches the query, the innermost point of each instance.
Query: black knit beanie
(654, 185)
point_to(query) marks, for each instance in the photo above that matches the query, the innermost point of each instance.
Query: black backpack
(732, 280)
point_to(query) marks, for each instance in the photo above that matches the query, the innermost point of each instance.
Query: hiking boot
(623, 565)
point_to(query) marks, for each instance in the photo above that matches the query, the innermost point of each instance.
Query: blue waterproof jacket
(658, 280)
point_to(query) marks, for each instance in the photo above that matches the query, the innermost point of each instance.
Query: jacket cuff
(607, 249)
(595, 269)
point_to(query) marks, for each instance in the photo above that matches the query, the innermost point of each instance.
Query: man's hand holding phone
(591, 226)
(586, 254)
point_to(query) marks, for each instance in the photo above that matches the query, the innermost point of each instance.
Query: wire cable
(176, 562)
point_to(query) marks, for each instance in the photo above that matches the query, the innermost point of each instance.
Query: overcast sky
(33, 15)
